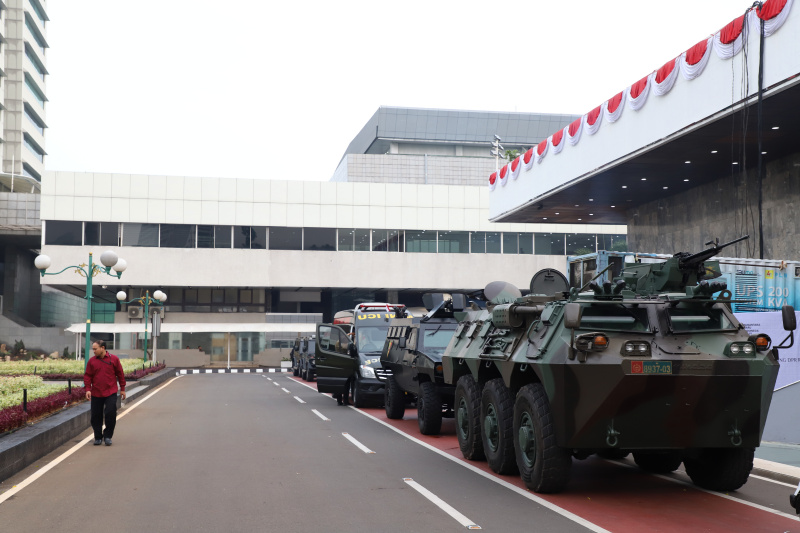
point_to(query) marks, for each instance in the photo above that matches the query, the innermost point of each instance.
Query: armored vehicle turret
(411, 362)
(650, 363)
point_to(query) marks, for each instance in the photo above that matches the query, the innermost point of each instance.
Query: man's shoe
(98, 442)
(108, 442)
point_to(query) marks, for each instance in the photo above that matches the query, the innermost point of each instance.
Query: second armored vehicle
(411, 362)
(649, 364)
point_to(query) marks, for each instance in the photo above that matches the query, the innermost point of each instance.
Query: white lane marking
(358, 445)
(320, 414)
(285, 390)
(276, 383)
(522, 492)
(267, 378)
(773, 481)
(720, 494)
(39, 473)
(299, 400)
(441, 504)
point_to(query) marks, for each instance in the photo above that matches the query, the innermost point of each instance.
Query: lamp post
(158, 298)
(109, 259)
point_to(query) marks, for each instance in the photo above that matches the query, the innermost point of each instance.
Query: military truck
(348, 352)
(411, 362)
(649, 364)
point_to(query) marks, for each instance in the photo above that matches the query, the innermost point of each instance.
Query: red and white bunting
(727, 42)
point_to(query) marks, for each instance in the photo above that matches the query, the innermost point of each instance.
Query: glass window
(692, 317)
(319, 239)
(217, 296)
(259, 296)
(285, 238)
(453, 242)
(109, 234)
(526, 243)
(361, 240)
(345, 239)
(492, 242)
(241, 237)
(204, 296)
(246, 296)
(509, 242)
(379, 240)
(581, 243)
(615, 243)
(91, 234)
(614, 318)
(395, 241)
(222, 236)
(174, 296)
(548, 243)
(35, 91)
(478, 242)
(230, 296)
(177, 235)
(64, 232)
(421, 241)
(190, 296)
(258, 237)
(205, 236)
(140, 234)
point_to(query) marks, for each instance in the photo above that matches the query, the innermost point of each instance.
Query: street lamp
(109, 259)
(158, 298)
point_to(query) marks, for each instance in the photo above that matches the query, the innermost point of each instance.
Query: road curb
(776, 471)
(29, 444)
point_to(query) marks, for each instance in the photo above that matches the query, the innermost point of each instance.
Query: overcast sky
(279, 89)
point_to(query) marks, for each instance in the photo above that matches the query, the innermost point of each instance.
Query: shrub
(14, 417)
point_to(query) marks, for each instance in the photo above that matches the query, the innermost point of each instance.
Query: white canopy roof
(195, 327)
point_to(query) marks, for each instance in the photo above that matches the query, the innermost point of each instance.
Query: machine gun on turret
(683, 270)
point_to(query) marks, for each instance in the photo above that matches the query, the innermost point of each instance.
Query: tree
(511, 155)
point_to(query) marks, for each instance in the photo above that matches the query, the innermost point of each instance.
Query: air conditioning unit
(154, 310)
(134, 312)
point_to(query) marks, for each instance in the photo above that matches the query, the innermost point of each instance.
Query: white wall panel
(192, 188)
(360, 194)
(261, 190)
(344, 194)
(294, 193)
(361, 216)
(209, 211)
(277, 214)
(244, 190)
(226, 190)
(83, 208)
(174, 211)
(120, 209)
(47, 208)
(227, 213)
(345, 217)
(65, 185)
(83, 184)
(102, 185)
(157, 187)
(455, 197)
(455, 219)
(312, 216)
(424, 218)
(175, 188)
(138, 210)
(441, 194)
(408, 198)
(327, 193)
(279, 191)
(377, 217)
(260, 213)
(440, 218)
(294, 215)
(327, 215)
(393, 195)
(157, 210)
(244, 214)
(377, 194)
(140, 186)
(192, 212)
(311, 192)
(210, 189)
(65, 208)
(101, 209)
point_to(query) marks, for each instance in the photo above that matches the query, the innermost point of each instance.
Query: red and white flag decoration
(727, 42)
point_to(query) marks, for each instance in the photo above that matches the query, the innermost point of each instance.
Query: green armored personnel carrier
(654, 364)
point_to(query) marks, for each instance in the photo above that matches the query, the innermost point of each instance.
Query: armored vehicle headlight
(761, 341)
(637, 348)
(591, 342)
(740, 348)
(367, 371)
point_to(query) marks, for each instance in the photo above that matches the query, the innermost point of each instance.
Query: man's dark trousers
(104, 407)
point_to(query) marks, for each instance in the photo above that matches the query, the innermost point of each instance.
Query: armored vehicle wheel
(429, 409)
(295, 370)
(658, 463)
(543, 466)
(468, 423)
(722, 469)
(393, 400)
(497, 413)
(304, 374)
(355, 386)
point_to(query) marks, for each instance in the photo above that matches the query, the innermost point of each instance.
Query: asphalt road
(237, 452)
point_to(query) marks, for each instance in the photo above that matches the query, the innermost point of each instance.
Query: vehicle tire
(543, 466)
(497, 427)
(613, 455)
(658, 463)
(468, 422)
(394, 399)
(355, 391)
(304, 374)
(721, 469)
(429, 409)
(295, 369)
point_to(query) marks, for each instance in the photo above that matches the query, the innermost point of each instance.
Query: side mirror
(789, 318)
(401, 342)
(573, 313)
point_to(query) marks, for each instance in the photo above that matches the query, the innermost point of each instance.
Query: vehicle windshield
(371, 338)
(614, 318)
(435, 339)
(685, 319)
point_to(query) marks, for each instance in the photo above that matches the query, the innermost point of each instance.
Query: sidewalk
(778, 461)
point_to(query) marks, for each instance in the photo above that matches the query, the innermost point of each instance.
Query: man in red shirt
(102, 373)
